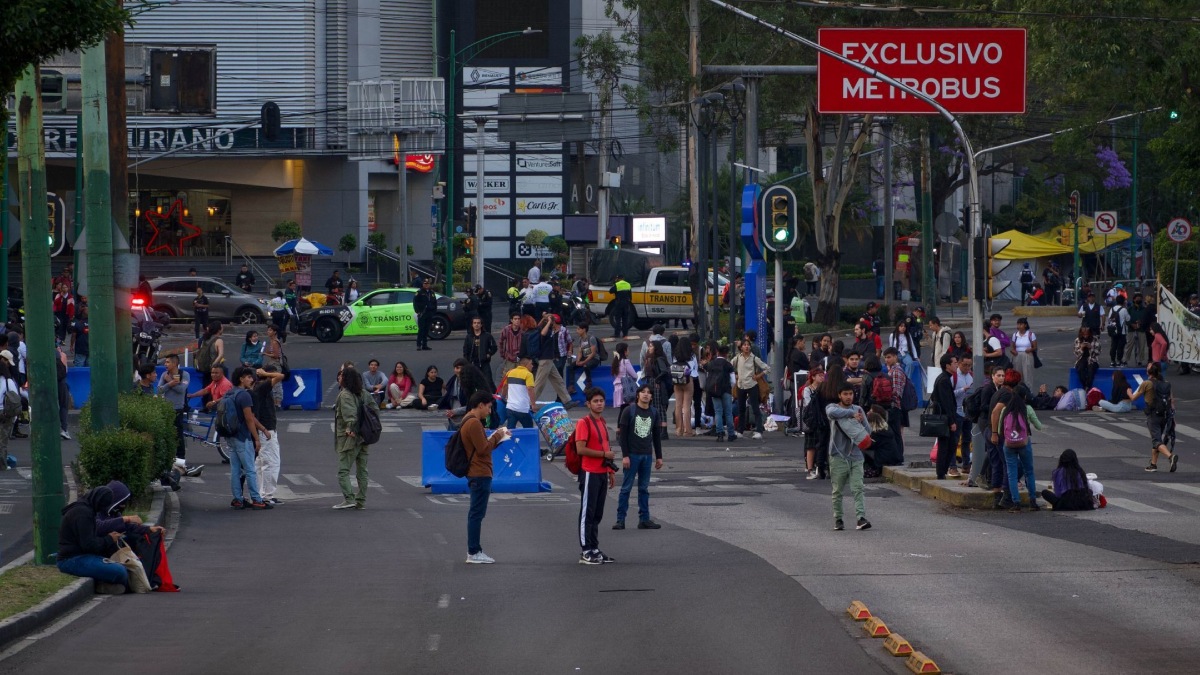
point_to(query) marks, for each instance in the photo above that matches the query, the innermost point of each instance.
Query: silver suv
(226, 302)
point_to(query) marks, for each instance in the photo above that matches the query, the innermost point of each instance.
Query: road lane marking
(414, 514)
(437, 536)
(444, 601)
(1093, 429)
(1130, 505)
(302, 479)
(414, 481)
(1187, 431)
(299, 427)
(1130, 426)
(1190, 489)
(25, 472)
(432, 642)
(5, 509)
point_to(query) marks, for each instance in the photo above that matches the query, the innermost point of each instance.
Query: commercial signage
(967, 70)
(493, 206)
(481, 77)
(539, 206)
(532, 185)
(491, 185)
(61, 140)
(649, 229)
(419, 163)
(539, 163)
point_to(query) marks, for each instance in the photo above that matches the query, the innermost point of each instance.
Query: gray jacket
(175, 394)
(846, 432)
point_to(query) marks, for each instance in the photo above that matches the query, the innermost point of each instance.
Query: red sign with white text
(419, 163)
(978, 71)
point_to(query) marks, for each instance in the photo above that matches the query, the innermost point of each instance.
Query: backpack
(369, 427)
(908, 398)
(457, 462)
(973, 404)
(680, 373)
(204, 356)
(227, 420)
(1158, 406)
(1114, 324)
(881, 391)
(601, 352)
(629, 387)
(573, 460)
(1016, 430)
(12, 401)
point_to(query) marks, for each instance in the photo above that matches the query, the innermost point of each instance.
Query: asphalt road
(746, 576)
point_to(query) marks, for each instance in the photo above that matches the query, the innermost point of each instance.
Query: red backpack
(574, 461)
(881, 390)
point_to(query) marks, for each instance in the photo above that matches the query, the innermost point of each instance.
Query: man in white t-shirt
(535, 273)
(541, 298)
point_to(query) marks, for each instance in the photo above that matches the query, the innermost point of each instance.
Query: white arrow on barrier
(299, 385)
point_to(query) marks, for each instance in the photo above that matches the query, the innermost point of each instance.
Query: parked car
(387, 311)
(226, 302)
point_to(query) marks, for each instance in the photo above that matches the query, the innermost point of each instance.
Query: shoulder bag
(934, 425)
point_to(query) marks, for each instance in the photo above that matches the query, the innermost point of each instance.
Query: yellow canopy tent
(1027, 247)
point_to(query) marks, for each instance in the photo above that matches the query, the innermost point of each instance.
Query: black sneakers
(862, 524)
(838, 525)
(619, 525)
(645, 525)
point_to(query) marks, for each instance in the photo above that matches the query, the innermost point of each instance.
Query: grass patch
(25, 586)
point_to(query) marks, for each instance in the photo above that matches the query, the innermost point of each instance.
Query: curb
(949, 492)
(21, 626)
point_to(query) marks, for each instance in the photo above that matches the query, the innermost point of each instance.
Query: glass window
(381, 299)
(404, 297)
(670, 278)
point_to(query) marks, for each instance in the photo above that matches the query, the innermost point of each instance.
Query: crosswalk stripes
(301, 479)
(1095, 429)
(1113, 427)
(1131, 505)
(386, 426)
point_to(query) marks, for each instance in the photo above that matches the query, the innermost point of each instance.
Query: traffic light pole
(477, 232)
(968, 150)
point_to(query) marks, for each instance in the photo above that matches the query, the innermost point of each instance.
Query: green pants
(841, 471)
(357, 456)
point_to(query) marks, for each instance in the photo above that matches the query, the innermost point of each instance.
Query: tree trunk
(828, 297)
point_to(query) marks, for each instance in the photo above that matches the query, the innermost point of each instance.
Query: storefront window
(179, 223)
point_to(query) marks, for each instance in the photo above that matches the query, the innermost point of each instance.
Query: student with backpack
(596, 477)
(890, 395)
(1013, 421)
(624, 377)
(236, 421)
(478, 447)
(1160, 408)
(682, 371)
(849, 434)
(811, 414)
(348, 410)
(719, 380)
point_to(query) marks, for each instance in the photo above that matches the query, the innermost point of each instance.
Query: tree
(286, 230)
(348, 244)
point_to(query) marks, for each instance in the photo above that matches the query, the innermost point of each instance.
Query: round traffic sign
(1143, 230)
(1179, 230)
(1106, 222)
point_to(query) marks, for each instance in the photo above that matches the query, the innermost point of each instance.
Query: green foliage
(117, 454)
(462, 265)
(347, 243)
(286, 230)
(33, 31)
(377, 240)
(1164, 262)
(535, 237)
(556, 244)
(142, 414)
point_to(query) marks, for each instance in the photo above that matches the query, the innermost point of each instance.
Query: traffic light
(472, 213)
(1173, 115)
(1073, 207)
(469, 244)
(269, 120)
(1065, 236)
(614, 242)
(779, 216)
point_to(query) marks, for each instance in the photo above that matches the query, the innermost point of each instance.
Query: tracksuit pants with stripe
(593, 487)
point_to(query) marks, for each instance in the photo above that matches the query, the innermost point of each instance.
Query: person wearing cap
(916, 328)
(1091, 313)
(871, 318)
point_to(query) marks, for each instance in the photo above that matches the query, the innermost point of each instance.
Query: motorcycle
(147, 329)
(576, 310)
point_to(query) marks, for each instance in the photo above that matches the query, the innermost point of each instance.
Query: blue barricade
(79, 382)
(1103, 381)
(303, 389)
(516, 464)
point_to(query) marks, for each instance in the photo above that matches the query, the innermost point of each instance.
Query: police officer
(621, 307)
(483, 305)
(514, 297)
(425, 305)
(556, 301)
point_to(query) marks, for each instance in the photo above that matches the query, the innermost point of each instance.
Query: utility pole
(4, 224)
(451, 165)
(928, 282)
(693, 19)
(45, 444)
(751, 150)
(477, 250)
(602, 192)
(704, 139)
(124, 260)
(889, 224)
(402, 207)
(98, 197)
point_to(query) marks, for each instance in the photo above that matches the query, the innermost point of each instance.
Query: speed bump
(876, 628)
(858, 611)
(919, 663)
(897, 645)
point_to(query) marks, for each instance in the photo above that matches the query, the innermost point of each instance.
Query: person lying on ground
(1047, 401)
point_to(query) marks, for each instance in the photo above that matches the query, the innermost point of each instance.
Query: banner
(287, 263)
(1181, 326)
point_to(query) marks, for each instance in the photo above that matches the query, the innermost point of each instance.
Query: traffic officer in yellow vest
(514, 297)
(621, 307)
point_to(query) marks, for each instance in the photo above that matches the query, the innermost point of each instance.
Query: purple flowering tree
(1116, 176)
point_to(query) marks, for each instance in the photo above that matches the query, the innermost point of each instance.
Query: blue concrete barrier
(303, 389)
(79, 382)
(1103, 382)
(516, 464)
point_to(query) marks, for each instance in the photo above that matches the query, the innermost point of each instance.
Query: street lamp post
(458, 58)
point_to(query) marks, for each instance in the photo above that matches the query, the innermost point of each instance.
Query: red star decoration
(162, 224)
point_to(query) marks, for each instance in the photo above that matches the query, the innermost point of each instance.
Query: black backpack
(457, 462)
(974, 404)
(369, 427)
(1161, 403)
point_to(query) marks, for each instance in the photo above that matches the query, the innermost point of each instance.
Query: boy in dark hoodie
(82, 552)
(115, 520)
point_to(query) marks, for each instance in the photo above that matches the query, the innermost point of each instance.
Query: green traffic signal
(1174, 115)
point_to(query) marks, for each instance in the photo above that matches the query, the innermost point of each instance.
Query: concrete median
(948, 491)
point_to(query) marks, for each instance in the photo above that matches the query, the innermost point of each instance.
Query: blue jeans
(241, 463)
(723, 413)
(481, 489)
(1023, 456)
(879, 288)
(513, 417)
(95, 567)
(639, 466)
(81, 360)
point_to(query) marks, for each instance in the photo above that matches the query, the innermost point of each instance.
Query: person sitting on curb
(84, 553)
(115, 520)
(1071, 492)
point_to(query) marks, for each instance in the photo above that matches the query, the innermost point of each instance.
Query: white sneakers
(480, 558)
(757, 436)
(812, 475)
(347, 504)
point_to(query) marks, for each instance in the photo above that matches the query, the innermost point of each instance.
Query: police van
(660, 292)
